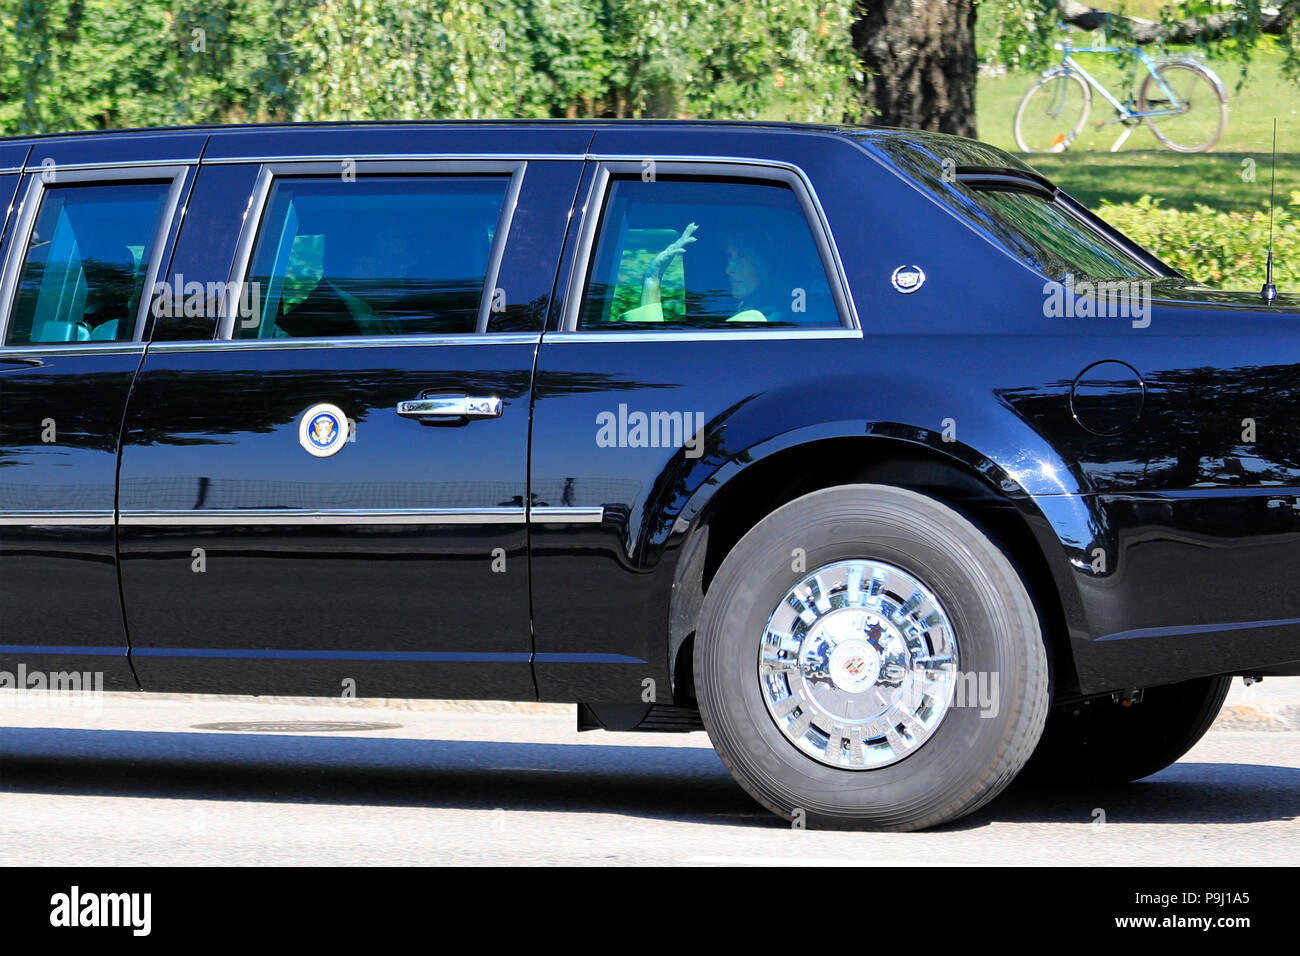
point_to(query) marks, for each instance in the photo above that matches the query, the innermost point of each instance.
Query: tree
(746, 60)
(920, 63)
(101, 64)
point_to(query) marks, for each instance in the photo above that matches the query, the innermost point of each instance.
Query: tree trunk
(920, 59)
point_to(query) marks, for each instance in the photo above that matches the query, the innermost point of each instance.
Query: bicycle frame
(1068, 63)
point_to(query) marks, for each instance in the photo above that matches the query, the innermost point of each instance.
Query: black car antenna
(1269, 292)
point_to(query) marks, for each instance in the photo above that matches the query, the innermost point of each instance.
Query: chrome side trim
(788, 173)
(275, 516)
(702, 335)
(56, 519)
(360, 342)
(560, 514)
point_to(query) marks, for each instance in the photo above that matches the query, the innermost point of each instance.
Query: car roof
(592, 125)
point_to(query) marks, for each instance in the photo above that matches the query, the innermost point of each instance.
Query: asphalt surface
(136, 783)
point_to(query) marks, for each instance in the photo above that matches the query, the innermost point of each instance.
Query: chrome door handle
(452, 406)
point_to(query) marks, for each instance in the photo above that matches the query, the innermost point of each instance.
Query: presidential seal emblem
(323, 430)
(907, 279)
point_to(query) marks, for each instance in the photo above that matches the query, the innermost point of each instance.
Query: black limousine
(869, 452)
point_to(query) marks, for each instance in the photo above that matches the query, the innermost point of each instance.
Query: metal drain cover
(297, 726)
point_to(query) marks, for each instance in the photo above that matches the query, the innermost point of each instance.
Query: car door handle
(452, 406)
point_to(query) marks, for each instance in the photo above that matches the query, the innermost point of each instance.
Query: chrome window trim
(7, 212)
(57, 519)
(698, 335)
(30, 167)
(336, 158)
(29, 208)
(791, 175)
(361, 341)
(74, 348)
(273, 169)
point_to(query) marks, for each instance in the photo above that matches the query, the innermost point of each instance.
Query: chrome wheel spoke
(857, 664)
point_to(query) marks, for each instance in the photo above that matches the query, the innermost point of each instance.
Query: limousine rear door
(641, 393)
(92, 221)
(327, 495)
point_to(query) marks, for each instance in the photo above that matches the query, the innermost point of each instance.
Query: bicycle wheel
(1052, 112)
(1197, 121)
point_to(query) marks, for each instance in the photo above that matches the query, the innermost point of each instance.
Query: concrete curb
(1275, 713)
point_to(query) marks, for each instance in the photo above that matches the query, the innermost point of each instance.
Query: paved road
(138, 784)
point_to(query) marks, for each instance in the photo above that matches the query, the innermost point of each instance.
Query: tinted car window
(749, 262)
(1053, 241)
(86, 261)
(376, 256)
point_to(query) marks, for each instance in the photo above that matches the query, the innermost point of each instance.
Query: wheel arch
(752, 485)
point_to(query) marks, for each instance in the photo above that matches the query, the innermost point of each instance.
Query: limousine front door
(329, 497)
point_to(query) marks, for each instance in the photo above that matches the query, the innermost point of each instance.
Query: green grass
(1142, 166)
(1178, 180)
(1266, 93)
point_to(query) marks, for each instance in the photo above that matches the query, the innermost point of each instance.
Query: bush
(1224, 250)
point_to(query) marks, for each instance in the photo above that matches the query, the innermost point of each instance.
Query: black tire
(1100, 741)
(969, 758)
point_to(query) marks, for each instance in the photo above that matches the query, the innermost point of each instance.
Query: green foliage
(532, 58)
(1019, 33)
(1225, 250)
(94, 64)
(97, 64)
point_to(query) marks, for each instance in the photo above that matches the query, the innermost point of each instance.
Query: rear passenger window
(676, 254)
(396, 255)
(86, 262)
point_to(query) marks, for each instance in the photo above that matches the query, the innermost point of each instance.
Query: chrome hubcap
(858, 664)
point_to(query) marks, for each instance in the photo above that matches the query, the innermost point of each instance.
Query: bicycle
(1181, 100)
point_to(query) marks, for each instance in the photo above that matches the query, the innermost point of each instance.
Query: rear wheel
(1052, 113)
(1194, 120)
(1103, 741)
(867, 658)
